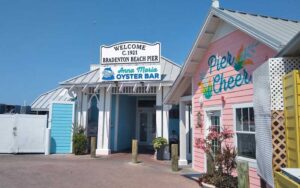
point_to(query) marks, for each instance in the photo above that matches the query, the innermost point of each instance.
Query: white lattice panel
(279, 67)
(263, 135)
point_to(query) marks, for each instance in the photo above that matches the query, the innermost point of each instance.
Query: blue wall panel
(61, 128)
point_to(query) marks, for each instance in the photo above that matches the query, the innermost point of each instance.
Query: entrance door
(146, 121)
(213, 120)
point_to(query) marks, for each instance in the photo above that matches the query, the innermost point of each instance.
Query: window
(245, 132)
(215, 123)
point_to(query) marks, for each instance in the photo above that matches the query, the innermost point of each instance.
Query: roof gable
(273, 32)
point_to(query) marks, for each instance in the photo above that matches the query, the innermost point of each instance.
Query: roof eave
(40, 109)
(289, 48)
(66, 85)
(269, 41)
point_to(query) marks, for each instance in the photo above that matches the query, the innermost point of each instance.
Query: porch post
(78, 106)
(165, 117)
(84, 110)
(188, 131)
(158, 113)
(106, 143)
(165, 125)
(103, 123)
(182, 129)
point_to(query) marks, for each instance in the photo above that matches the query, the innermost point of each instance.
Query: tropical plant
(221, 156)
(207, 89)
(244, 55)
(80, 141)
(159, 142)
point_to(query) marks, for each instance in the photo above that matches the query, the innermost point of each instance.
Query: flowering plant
(221, 156)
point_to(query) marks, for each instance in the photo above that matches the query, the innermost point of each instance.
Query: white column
(166, 109)
(165, 126)
(182, 130)
(106, 143)
(158, 113)
(187, 129)
(84, 110)
(103, 123)
(100, 122)
(79, 99)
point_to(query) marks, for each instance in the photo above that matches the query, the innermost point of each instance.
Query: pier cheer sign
(129, 61)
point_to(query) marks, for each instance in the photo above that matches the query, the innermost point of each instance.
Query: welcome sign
(130, 72)
(130, 52)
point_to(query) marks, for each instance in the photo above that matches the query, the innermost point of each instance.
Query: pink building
(215, 86)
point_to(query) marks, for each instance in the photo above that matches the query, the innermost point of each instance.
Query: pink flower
(226, 133)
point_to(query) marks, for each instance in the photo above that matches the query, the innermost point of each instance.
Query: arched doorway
(93, 114)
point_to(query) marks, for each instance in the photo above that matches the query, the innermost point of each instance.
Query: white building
(118, 110)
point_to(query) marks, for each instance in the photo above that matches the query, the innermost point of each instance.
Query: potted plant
(221, 159)
(159, 145)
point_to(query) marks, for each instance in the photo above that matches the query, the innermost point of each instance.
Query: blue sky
(45, 42)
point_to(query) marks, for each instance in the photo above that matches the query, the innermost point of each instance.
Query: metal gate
(61, 125)
(22, 133)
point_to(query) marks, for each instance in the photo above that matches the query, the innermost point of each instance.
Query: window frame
(252, 162)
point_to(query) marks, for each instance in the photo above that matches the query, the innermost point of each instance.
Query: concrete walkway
(69, 171)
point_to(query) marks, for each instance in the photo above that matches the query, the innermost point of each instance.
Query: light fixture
(199, 120)
(117, 83)
(223, 100)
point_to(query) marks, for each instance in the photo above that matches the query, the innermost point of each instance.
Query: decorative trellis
(278, 68)
(278, 140)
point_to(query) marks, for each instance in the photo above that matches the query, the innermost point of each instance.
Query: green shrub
(80, 141)
(159, 142)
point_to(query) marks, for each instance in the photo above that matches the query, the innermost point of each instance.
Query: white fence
(22, 133)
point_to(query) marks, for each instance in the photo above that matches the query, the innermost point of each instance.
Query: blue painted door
(61, 127)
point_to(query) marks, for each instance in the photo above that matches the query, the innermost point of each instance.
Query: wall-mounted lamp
(199, 120)
(223, 100)
(117, 83)
(143, 84)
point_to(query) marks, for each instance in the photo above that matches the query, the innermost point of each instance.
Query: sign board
(130, 53)
(130, 72)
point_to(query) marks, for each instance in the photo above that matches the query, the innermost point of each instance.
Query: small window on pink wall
(245, 132)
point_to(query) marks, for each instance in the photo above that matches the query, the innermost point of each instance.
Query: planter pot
(160, 153)
(205, 185)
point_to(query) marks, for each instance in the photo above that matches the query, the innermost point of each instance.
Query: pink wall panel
(255, 54)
